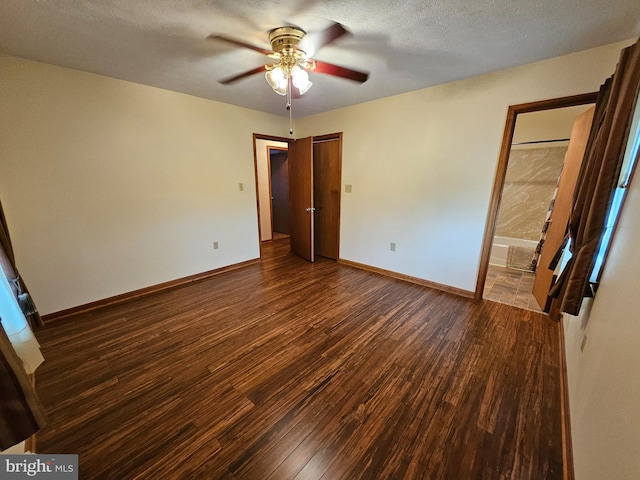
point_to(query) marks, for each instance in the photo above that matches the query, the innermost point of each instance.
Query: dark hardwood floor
(291, 370)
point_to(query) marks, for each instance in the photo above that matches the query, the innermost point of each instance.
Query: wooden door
(326, 193)
(279, 191)
(301, 229)
(562, 207)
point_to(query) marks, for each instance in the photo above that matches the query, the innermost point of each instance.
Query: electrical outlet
(347, 189)
(215, 245)
(241, 187)
(392, 247)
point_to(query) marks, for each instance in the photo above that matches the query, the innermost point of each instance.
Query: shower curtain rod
(541, 141)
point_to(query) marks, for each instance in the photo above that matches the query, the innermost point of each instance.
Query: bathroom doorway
(528, 172)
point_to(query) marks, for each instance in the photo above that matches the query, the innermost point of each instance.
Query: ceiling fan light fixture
(277, 80)
(300, 79)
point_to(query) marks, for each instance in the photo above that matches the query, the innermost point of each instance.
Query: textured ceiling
(405, 45)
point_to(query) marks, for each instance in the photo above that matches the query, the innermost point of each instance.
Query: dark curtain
(21, 413)
(598, 179)
(8, 265)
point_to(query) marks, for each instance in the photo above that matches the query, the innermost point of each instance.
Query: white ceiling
(405, 45)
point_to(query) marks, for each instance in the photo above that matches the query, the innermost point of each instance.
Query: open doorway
(531, 161)
(279, 180)
(272, 183)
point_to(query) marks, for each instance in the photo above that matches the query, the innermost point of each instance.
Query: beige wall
(264, 191)
(111, 186)
(547, 124)
(422, 164)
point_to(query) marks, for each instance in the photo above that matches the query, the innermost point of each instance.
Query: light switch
(347, 189)
(241, 187)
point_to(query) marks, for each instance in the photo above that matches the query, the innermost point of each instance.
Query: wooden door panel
(562, 206)
(326, 194)
(301, 198)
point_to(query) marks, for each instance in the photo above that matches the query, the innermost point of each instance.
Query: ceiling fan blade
(342, 72)
(239, 43)
(314, 41)
(240, 76)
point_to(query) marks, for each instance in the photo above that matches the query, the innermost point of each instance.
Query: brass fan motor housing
(286, 39)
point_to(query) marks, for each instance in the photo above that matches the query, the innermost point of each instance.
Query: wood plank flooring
(291, 370)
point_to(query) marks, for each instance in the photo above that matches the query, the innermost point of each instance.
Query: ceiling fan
(291, 49)
(291, 55)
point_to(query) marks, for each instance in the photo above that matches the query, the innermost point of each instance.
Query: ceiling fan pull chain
(289, 105)
(290, 121)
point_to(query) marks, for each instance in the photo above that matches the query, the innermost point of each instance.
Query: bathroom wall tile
(531, 179)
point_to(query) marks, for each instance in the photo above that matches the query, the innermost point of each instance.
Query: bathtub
(500, 248)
